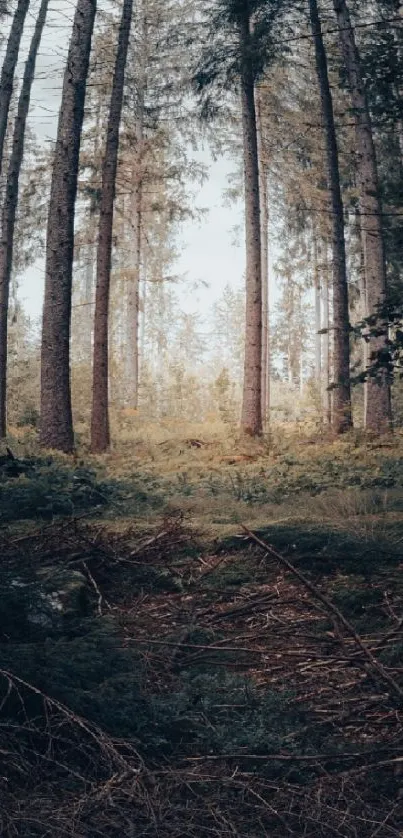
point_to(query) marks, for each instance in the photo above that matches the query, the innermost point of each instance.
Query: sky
(211, 250)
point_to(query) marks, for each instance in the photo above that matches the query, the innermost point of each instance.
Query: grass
(217, 698)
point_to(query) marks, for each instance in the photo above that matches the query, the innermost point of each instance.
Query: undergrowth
(161, 675)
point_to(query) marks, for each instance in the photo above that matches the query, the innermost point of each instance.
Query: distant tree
(378, 401)
(341, 414)
(56, 426)
(264, 230)
(100, 438)
(9, 209)
(251, 422)
(241, 45)
(8, 69)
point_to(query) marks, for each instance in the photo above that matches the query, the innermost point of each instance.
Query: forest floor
(236, 668)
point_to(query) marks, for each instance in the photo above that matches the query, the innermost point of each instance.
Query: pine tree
(341, 417)
(242, 44)
(100, 438)
(8, 69)
(264, 224)
(9, 210)
(56, 427)
(378, 402)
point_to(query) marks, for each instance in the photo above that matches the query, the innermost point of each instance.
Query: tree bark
(318, 311)
(378, 410)
(136, 217)
(327, 399)
(100, 436)
(251, 421)
(342, 416)
(56, 425)
(8, 70)
(9, 209)
(264, 224)
(133, 299)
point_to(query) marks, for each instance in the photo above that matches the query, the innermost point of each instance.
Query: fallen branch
(375, 664)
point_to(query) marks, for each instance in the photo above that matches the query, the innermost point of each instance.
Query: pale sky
(211, 252)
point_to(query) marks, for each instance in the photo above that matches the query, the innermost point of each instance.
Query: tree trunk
(136, 216)
(327, 400)
(251, 422)
(8, 70)
(363, 308)
(378, 411)
(264, 225)
(91, 255)
(56, 426)
(11, 201)
(133, 300)
(342, 417)
(318, 324)
(100, 438)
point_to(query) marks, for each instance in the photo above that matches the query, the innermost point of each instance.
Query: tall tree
(56, 426)
(251, 421)
(100, 437)
(8, 69)
(235, 62)
(341, 417)
(318, 314)
(264, 224)
(9, 209)
(136, 208)
(378, 402)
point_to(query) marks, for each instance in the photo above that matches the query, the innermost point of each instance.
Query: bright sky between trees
(212, 249)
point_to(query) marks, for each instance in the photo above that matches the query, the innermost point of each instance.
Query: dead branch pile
(334, 771)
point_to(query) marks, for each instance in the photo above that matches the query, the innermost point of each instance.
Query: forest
(201, 418)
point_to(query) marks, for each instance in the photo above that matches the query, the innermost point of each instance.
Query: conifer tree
(378, 402)
(8, 69)
(100, 438)
(232, 65)
(56, 424)
(8, 215)
(341, 416)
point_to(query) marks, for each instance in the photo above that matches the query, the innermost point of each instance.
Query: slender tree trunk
(264, 224)
(56, 427)
(342, 417)
(378, 412)
(91, 254)
(100, 437)
(8, 70)
(318, 323)
(251, 422)
(136, 218)
(133, 301)
(9, 209)
(327, 400)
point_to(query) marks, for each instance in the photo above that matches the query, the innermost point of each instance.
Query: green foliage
(221, 713)
(49, 488)
(324, 549)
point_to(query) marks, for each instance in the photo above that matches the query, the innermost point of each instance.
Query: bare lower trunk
(327, 401)
(378, 410)
(133, 301)
(56, 429)
(251, 422)
(91, 255)
(8, 70)
(136, 217)
(11, 201)
(318, 323)
(342, 417)
(100, 437)
(363, 309)
(264, 225)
